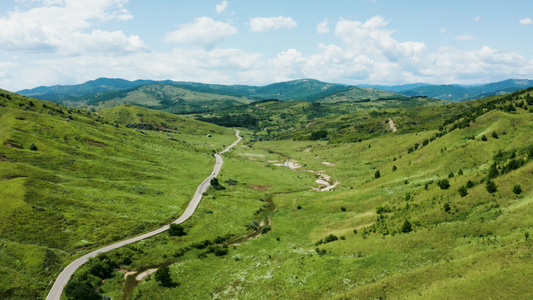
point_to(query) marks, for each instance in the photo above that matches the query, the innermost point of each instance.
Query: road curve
(64, 276)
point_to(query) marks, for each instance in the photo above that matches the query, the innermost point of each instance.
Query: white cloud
(526, 21)
(443, 30)
(323, 27)
(478, 18)
(465, 37)
(220, 8)
(204, 32)
(53, 25)
(272, 23)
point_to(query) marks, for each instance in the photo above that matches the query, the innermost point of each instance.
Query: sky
(253, 42)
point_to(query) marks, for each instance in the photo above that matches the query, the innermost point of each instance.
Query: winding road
(64, 276)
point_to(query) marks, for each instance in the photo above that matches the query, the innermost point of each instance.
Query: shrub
(447, 207)
(343, 208)
(484, 138)
(469, 184)
(330, 238)
(176, 230)
(299, 207)
(394, 168)
(444, 184)
(491, 186)
(462, 191)
(343, 237)
(321, 252)
(517, 189)
(318, 135)
(80, 290)
(221, 251)
(451, 175)
(406, 227)
(266, 229)
(355, 231)
(33, 147)
(495, 135)
(162, 275)
(460, 172)
(377, 174)
(493, 171)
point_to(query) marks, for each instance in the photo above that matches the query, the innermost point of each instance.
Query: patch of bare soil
(392, 125)
(12, 144)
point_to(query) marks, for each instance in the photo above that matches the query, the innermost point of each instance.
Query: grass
(90, 182)
(476, 249)
(465, 253)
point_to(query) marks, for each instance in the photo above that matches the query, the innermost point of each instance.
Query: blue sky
(48, 42)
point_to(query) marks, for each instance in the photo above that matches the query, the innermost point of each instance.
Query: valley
(408, 197)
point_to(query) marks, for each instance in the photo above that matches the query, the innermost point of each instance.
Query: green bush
(176, 230)
(377, 174)
(444, 184)
(491, 186)
(462, 191)
(330, 238)
(406, 227)
(517, 189)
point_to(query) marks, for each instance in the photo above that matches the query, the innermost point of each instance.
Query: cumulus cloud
(323, 27)
(272, 23)
(204, 32)
(52, 25)
(220, 8)
(526, 21)
(465, 37)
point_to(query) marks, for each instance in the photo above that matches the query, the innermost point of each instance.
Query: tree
(406, 227)
(495, 135)
(162, 275)
(447, 207)
(484, 138)
(469, 184)
(517, 189)
(33, 147)
(377, 174)
(394, 168)
(176, 230)
(491, 186)
(451, 175)
(79, 290)
(343, 208)
(460, 172)
(493, 171)
(318, 135)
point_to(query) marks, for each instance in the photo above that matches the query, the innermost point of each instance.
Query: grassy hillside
(72, 180)
(299, 119)
(164, 97)
(401, 232)
(359, 94)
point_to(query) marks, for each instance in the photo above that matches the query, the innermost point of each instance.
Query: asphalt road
(64, 276)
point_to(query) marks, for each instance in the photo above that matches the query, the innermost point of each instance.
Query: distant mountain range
(183, 97)
(455, 92)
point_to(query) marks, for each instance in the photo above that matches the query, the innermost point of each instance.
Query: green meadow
(439, 209)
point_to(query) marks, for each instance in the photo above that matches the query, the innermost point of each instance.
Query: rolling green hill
(72, 180)
(439, 209)
(320, 201)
